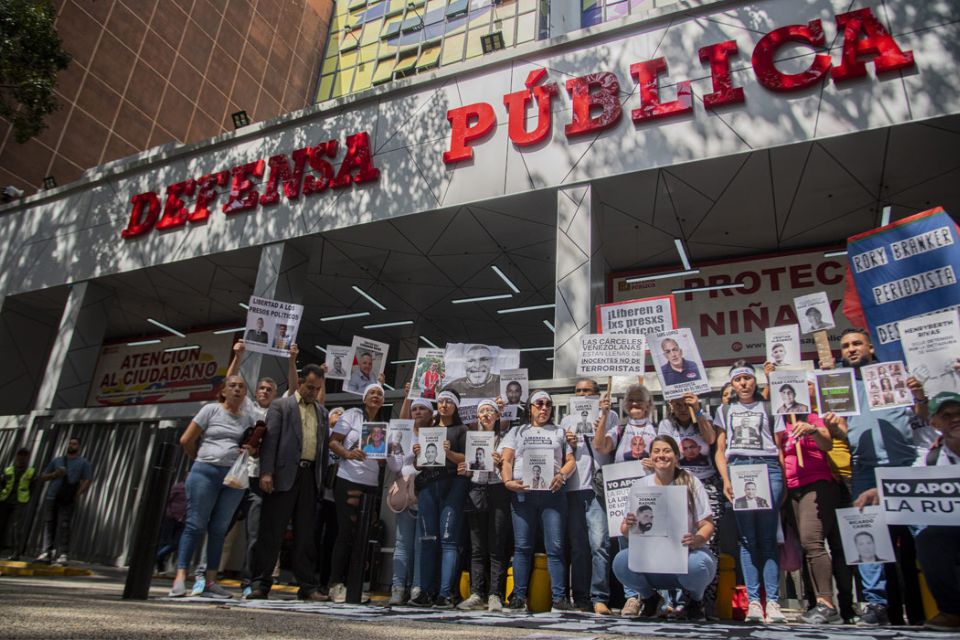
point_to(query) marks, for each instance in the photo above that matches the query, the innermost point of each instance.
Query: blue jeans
(872, 578)
(210, 507)
(589, 547)
(759, 551)
(530, 510)
(441, 515)
(406, 550)
(701, 568)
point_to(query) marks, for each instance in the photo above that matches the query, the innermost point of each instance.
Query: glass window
(368, 53)
(330, 65)
(384, 71)
(323, 91)
(526, 5)
(526, 27)
(456, 8)
(412, 22)
(408, 59)
(364, 78)
(392, 29)
(342, 82)
(474, 48)
(505, 10)
(509, 29)
(348, 59)
(452, 49)
(357, 4)
(429, 56)
(436, 7)
(371, 31)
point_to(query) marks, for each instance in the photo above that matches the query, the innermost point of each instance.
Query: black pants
(277, 509)
(11, 514)
(326, 536)
(491, 536)
(348, 497)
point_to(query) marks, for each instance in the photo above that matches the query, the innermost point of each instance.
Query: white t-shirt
(748, 429)
(694, 456)
(258, 413)
(350, 426)
(700, 499)
(526, 436)
(635, 429)
(945, 458)
(582, 477)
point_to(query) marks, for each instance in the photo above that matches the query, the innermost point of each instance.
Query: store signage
(595, 98)
(242, 194)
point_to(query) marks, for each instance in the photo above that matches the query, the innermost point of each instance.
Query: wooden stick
(693, 414)
(824, 354)
(793, 422)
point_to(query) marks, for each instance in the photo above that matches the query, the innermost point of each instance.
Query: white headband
(422, 402)
(742, 371)
(449, 395)
(370, 387)
(488, 403)
(539, 395)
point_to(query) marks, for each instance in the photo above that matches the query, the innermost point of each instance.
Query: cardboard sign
(611, 355)
(271, 326)
(920, 495)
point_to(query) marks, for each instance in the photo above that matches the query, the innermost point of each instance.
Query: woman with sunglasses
(440, 497)
(488, 516)
(532, 509)
(747, 435)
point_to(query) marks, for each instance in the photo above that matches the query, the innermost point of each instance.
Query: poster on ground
(617, 480)
(479, 450)
(751, 487)
(789, 392)
(836, 392)
(431, 441)
(656, 540)
(677, 362)
(373, 439)
(931, 345)
(813, 312)
(514, 385)
(369, 361)
(886, 385)
(271, 326)
(783, 345)
(400, 437)
(865, 537)
(338, 361)
(639, 317)
(920, 495)
(428, 372)
(473, 370)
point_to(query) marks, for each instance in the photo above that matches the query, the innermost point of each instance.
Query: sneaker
(651, 606)
(44, 557)
(754, 612)
(943, 622)
(518, 604)
(473, 603)
(561, 606)
(631, 608)
(601, 609)
(422, 600)
(582, 605)
(178, 590)
(397, 596)
(443, 602)
(338, 593)
(214, 590)
(693, 611)
(822, 614)
(199, 586)
(774, 614)
(873, 615)
(494, 603)
(247, 590)
(62, 560)
(256, 594)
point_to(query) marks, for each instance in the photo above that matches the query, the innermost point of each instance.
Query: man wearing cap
(16, 484)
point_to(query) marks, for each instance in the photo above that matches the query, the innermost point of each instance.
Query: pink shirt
(816, 465)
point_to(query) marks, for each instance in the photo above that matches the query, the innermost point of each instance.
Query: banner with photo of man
(677, 362)
(428, 372)
(271, 326)
(473, 370)
(369, 361)
(656, 540)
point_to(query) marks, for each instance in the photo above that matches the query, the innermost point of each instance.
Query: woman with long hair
(747, 435)
(213, 441)
(356, 476)
(701, 563)
(440, 497)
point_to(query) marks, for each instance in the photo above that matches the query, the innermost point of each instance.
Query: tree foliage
(30, 58)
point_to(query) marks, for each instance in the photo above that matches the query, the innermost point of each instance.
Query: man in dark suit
(258, 334)
(292, 461)
(750, 500)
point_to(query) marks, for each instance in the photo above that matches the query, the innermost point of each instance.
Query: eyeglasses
(543, 404)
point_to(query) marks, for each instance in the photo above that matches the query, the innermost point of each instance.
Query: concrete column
(76, 348)
(279, 277)
(580, 274)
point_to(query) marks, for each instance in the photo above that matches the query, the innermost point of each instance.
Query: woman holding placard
(488, 516)
(356, 476)
(539, 438)
(701, 563)
(747, 436)
(639, 431)
(440, 497)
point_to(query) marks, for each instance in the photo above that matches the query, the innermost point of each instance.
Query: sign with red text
(150, 374)
(729, 324)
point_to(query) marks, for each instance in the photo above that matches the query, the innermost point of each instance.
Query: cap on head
(941, 400)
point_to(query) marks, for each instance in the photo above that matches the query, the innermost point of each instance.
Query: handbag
(400, 495)
(239, 475)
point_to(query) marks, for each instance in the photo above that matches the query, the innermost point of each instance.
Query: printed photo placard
(373, 440)
(370, 359)
(886, 385)
(400, 437)
(751, 487)
(677, 362)
(813, 312)
(338, 361)
(836, 392)
(479, 450)
(431, 447)
(538, 469)
(428, 372)
(656, 540)
(583, 415)
(618, 478)
(473, 370)
(789, 392)
(865, 536)
(783, 346)
(514, 385)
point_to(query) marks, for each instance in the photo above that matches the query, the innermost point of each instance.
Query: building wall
(148, 72)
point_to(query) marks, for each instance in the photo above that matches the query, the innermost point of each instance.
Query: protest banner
(514, 385)
(370, 359)
(399, 437)
(271, 326)
(473, 370)
(783, 345)
(920, 495)
(432, 453)
(339, 359)
(677, 362)
(813, 312)
(639, 317)
(428, 372)
(583, 414)
(373, 439)
(865, 537)
(611, 355)
(468, 410)
(836, 392)
(148, 374)
(656, 541)
(904, 269)
(617, 480)
(789, 393)
(538, 469)
(751, 487)
(479, 450)
(886, 385)
(931, 344)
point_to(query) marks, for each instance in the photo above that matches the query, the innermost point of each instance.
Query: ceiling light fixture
(142, 343)
(550, 326)
(718, 287)
(157, 323)
(369, 297)
(429, 342)
(537, 349)
(383, 325)
(322, 350)
(835, 254)
(504, 277)
(535, 307)
(661, 276)
(403, 361)
(220, 332)
(244, 305)
(346, 316)
(189, 347)
(501, 296)
(678, 243)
